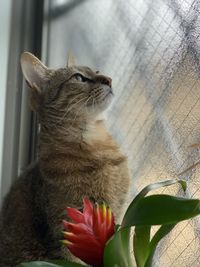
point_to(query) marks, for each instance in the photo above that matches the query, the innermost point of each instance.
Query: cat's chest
(69, 179)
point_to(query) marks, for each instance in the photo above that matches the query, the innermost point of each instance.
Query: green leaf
(161, 209)
(117, 227)
(38, 264)
(66, 263)
(163, 231)
(144, 212)
(117, 251)
(141, 241)
(57, 263)
(151, 187)
(158, 185)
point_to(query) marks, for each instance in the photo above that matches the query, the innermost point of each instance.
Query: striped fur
(77, 157)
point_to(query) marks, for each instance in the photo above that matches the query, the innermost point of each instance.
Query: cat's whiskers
(93, 104)
(74, 119)
(69, 108)
(86, 102)
(91, 96)
(83, 105)
(98, 96)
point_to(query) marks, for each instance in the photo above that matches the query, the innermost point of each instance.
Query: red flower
(87, 234)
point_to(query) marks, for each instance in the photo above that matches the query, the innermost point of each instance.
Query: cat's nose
(104, 80)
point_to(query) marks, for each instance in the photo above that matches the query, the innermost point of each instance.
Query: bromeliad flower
(87, 234)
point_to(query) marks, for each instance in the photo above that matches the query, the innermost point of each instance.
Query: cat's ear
(70, 60)
(34, 71)
(35, 74)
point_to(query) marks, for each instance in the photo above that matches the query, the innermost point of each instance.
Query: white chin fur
(100, 108)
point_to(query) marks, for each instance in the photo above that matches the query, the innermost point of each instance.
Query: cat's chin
(100, 107)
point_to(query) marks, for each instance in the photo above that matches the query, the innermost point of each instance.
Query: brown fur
(77, 157)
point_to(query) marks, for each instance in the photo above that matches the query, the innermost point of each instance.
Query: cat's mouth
(101, 99)
(107, 94)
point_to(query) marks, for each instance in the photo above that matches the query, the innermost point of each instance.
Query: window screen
(151, 50)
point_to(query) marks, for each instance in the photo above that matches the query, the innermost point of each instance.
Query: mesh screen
(151, 49)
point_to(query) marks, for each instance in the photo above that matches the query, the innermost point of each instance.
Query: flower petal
(94, 258)
(87, 240)
(75, 215)
(110, 221)
(77, 228)
(104, 210)
(88, 211)
(89, 232)
(98, 226)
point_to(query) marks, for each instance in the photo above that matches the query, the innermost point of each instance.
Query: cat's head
(65, 93)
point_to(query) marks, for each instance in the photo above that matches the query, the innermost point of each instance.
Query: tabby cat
(77, 157)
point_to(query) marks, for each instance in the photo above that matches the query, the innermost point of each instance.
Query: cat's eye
(79, 77)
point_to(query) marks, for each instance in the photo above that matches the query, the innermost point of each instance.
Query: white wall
(5, 16)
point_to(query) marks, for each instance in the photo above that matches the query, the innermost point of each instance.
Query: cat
(77, 157)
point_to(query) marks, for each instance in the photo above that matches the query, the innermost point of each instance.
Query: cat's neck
(82, 132)
(82, 151)
(95, 131)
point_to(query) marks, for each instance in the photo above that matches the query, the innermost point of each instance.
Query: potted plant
(93, 236)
